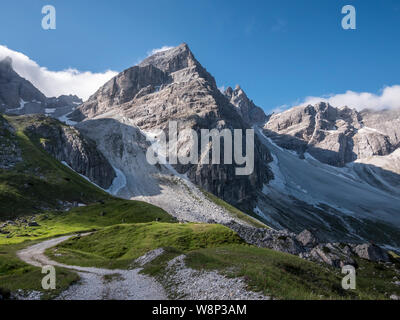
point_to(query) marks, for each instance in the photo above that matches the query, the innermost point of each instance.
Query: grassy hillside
(40, 182)
(118, 246)
(15, 274)
(80, 219)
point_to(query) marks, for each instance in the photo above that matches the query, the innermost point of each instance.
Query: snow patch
(369, 130)
(66, 120)
(118, 183)
(279, 181)
(22, 104)
(49, 110)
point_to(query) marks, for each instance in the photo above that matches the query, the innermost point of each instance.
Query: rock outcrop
(279, 240)
(371, 252)
(66, 144)
(63, 101)
(15, 91)
(10, 153)
(307, 246)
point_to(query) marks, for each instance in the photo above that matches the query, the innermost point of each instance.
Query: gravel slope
(189, 284)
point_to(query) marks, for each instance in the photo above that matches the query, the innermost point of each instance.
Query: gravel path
(189, 284)
(123, 285)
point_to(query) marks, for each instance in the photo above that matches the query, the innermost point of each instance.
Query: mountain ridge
(176, 87)
(319, 167)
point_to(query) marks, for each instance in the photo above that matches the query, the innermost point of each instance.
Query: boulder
(334, 254)
(307, 239)
(371, 252)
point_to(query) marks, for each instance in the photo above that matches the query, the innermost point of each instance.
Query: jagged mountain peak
(171, 60)
(6, 63)
(250, 113)
(173, 68)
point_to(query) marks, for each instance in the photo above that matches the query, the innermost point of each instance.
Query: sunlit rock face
(173, 86)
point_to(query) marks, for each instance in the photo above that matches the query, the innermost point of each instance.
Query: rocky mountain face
(335, 136)
(246, 107)
(173, 86)
(15, 91)
(327, 184)
(335, 169)
(10, 153)
(68, 145)
(385, 123)
(18, 96)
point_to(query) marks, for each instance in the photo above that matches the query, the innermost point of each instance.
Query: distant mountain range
(18, 96)
(335, 171)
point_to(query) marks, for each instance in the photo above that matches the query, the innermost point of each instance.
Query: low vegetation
(234, 211)
(118, 246)
(80, 219)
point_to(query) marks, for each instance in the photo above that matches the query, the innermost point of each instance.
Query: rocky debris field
(20, 222)
(307, 246)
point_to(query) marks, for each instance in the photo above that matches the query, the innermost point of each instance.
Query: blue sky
(278, 51)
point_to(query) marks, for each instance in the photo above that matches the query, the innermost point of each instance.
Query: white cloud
(154, 51)
(280, 109)
(388, 98)
(55, 83)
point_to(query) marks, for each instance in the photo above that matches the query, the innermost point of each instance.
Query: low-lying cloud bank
(389, 98)
(55, 83)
